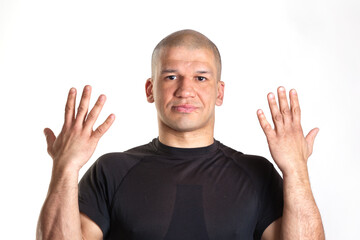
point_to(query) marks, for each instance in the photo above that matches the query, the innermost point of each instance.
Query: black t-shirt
(157, 192)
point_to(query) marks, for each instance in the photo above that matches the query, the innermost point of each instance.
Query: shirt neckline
(162, 148)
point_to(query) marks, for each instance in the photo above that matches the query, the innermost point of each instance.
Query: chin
(185, 123)
(185, 126)
(182, 128)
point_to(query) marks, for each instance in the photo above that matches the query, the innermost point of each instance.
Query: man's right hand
(77, 140)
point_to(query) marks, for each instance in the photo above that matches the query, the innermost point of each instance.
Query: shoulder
(118, 164)
(246, 160)
(123, 161)
(257, 167)
(111, 168)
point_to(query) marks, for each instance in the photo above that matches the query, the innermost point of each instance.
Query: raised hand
(288, 146)
(77, 140)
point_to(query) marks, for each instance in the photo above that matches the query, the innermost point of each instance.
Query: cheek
(208, 95)
(162, 95)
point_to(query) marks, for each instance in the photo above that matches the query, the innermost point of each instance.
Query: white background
(47, 47)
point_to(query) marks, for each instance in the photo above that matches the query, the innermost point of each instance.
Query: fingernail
(281, 89)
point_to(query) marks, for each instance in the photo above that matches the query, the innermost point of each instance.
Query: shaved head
(186, 38)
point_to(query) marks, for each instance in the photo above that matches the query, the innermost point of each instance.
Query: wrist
(66, 165)
(298, 173)
(297, 180)
(63, 178)
(295, 168)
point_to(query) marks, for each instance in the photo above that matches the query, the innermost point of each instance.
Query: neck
(185, 139)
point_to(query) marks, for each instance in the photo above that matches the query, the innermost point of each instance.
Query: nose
(185, 88)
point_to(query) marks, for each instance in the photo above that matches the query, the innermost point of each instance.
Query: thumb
(50, 139)
(310, 138)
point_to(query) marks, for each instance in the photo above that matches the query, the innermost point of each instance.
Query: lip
(185, 108)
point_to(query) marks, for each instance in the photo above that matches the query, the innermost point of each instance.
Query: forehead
(198, 57)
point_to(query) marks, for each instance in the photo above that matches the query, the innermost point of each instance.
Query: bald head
(190, 39)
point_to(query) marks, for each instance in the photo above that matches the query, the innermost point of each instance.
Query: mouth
(184, 108)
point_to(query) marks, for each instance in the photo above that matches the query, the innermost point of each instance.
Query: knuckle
(285, 111)
(296, 110)
(91, 115)
(68, 108)
(278, 117)
(298, 128)
(76, 128)
(100, 130)
(267, 128)
(81, 108)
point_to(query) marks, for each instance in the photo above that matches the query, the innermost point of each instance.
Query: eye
(171, 77)
(201, 79)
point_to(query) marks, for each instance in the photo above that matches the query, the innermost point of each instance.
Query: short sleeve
(271, 201)
(94, 196)
(99, 185)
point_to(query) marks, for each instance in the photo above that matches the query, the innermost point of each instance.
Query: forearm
(60, 217)
(301, 216)
(70, 150)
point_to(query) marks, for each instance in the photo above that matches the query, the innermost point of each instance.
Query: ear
(149, 90)
(220, 93)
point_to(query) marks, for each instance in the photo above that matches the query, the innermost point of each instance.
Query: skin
(290, 150)
(185, 89)
(186, 38)
(60, 217)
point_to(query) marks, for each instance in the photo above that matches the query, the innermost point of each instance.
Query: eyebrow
(204, 72)
(168, 71)
(175, 71)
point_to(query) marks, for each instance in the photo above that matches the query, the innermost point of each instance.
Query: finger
(84, 104)
(101, 130)
(265, 125)
(70, 107)
(275, 113)
(95, 111)
(295, 106)
(310, 139)
(283, 103)
(50, 139)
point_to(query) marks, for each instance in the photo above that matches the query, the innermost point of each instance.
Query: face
(185, 89)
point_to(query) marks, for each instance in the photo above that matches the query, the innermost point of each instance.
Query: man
(183, 184)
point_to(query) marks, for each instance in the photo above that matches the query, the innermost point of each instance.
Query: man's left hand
(288, 146)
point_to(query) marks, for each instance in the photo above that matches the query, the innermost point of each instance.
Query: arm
(60, 217)
(290, 151)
